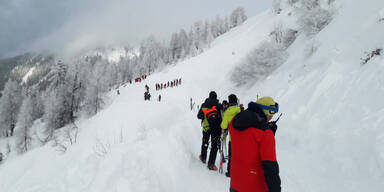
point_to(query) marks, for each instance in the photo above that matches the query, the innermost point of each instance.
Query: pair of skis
(223, 150)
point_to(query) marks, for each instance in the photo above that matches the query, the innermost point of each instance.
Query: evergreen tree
(208, 36)
(24, 123)
(96, 86)
(184, 43)
(151, 55)
(9, 107)
(237, 17)
(225, 25)
(58, 96)
(175, 47)
(215, 27)
(196, 37)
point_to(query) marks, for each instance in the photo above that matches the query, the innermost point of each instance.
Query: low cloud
(70, 26)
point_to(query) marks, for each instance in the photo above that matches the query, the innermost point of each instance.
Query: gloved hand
(272, 125)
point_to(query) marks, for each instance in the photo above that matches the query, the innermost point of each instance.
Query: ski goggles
(272, 109)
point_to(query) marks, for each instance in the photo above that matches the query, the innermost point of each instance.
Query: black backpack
(213, 117)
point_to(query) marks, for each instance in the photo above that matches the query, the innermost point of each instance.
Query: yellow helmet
(268, 105)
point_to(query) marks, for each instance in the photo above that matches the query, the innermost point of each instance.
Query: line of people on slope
(174, 83)
(252, 164)
(138, 79)
(147, 95)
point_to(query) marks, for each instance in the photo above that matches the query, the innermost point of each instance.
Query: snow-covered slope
(330, 137)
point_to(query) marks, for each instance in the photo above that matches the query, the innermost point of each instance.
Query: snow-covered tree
(238, 17)
(175, 47)
(292, 2)
(208, 36)
(96, 86)
(9, 107)
(73, 91)
(125, 69)
(197, 38)
(59, 99)
(276, 6)
(24, 123)
(314, 20)
(57, 74)
(220, 26)
(193, 49)
(151, 55)
(259, 63)
(184, 43)
(225, 25)
(310, 4)
(283, 37)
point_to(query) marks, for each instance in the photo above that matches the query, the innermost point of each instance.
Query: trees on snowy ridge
(201, 35)
(71, 89)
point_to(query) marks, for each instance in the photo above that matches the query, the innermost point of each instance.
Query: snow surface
(27, 75)
(330, 137)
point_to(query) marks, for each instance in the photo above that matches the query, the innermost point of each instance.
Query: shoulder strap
(206, 111)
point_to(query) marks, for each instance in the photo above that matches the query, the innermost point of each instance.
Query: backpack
(213, 117)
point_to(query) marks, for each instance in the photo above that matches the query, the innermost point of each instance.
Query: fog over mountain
(67, 27)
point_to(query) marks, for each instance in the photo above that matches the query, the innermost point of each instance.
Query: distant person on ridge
(254, 166)
(210, 115)
(232, 110)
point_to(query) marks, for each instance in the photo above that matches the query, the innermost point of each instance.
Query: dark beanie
(212, 95)
(232, 99)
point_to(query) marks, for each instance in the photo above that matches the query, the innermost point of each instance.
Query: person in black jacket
(210, 130)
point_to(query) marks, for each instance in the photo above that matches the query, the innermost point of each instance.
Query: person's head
(232, 99)
(269, 106)
(225, 103)
(212, 95)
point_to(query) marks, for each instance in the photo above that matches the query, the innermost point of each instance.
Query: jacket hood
(212, 95)
(209, 103)
(252, 106)
(249, 118)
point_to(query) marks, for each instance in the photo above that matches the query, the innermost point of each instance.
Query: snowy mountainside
(31, 68)
(332, 104)
(20, 68)
(330, 136)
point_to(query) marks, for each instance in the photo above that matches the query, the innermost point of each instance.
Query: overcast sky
(73, 25)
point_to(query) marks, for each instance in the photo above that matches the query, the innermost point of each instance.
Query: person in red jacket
(254, 167)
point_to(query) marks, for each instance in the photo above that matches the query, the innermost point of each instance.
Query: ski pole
(278, 117)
